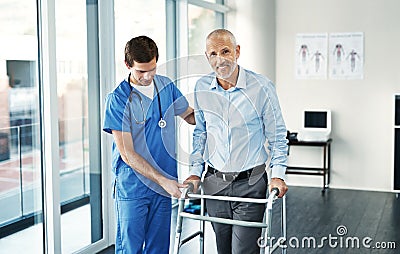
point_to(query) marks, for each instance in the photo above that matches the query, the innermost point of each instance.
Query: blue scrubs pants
(143, 225)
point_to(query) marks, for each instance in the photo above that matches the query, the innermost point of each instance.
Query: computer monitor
(319, 119)
(316, 125)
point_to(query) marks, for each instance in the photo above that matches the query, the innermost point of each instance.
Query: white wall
(362, 110)
(253, 24)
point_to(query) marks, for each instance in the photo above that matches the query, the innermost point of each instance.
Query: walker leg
(202, 223)
(179, 221)
(263, 234)
(283, 223)
(268, 230)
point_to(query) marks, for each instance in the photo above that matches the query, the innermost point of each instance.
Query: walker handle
(190, 187)
(276, 190)
(187, 190)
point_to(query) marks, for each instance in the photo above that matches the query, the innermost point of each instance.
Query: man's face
(143, 73)
(222, 55)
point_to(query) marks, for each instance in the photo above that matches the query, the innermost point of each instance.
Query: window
(72, 91)
(20, 159)
(202, 18)
(24, 163)
(201, 22)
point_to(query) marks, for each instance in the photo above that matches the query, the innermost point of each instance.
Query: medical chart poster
(311, 56)
(346, 55)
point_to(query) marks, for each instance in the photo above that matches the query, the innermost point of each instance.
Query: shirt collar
(241, 81)
(214, 83)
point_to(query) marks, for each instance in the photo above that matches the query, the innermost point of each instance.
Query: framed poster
(346, 55)
(311, 56)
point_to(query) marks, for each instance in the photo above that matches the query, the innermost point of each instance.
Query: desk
(323, 171)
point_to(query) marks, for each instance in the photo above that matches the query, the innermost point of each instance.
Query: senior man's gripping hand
(280, 184)
(195, 180)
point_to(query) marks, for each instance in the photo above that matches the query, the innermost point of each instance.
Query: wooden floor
(358, 214)
(336, 220)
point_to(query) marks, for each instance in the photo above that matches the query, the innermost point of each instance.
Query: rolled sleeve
(275, 131)
(278, 172)
(197, 163)
(196, 170)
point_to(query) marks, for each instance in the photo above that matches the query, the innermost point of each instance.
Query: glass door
(50, 163)
(79, 164)
(21, 215)
(71, 61)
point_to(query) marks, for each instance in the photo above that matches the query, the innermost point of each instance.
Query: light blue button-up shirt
(232, 126)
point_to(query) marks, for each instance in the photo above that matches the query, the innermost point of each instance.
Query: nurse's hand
(195, 180)
(172, 187)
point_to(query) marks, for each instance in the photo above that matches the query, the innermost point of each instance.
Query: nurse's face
(222, 55)
(143, 73)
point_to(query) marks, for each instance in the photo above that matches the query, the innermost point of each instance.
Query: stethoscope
(161, 123)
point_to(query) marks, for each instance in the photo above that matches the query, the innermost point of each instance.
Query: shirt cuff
(196, 170)
(278, 172)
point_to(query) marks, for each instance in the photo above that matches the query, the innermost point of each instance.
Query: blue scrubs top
(156, 145)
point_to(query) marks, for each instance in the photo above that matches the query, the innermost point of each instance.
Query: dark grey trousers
(233, 239)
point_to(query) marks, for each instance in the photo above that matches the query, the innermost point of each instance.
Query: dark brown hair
(140, 49)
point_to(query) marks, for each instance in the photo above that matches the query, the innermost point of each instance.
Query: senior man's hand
(195, 180)
(280, 184)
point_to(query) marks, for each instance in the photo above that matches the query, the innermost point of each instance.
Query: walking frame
(266, 244)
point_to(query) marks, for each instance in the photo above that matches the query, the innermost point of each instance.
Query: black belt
(231, 176)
